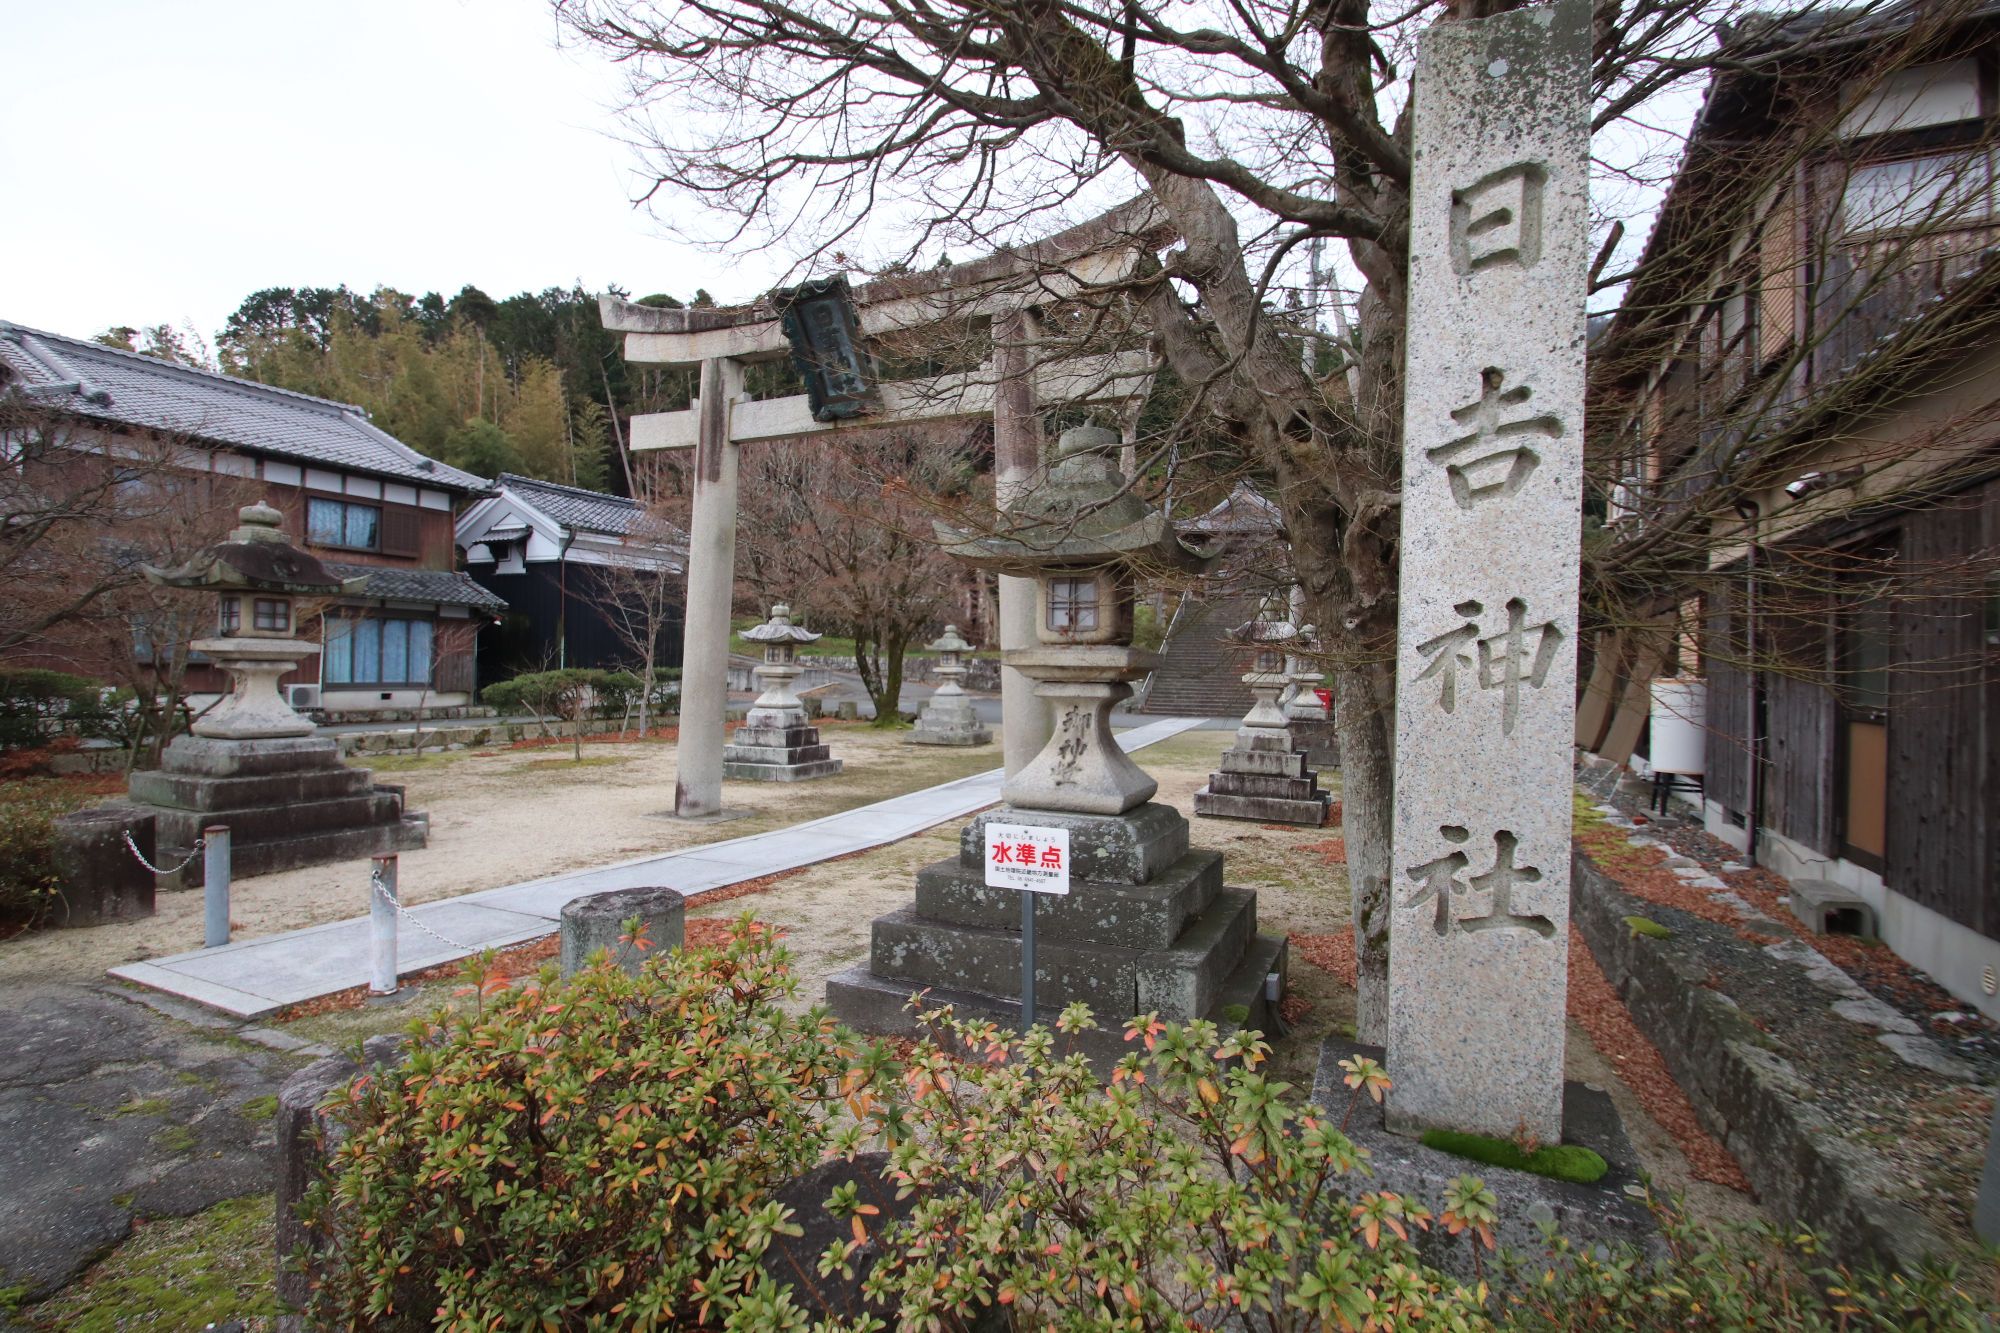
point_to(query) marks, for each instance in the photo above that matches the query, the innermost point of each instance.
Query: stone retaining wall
(1752, 1099)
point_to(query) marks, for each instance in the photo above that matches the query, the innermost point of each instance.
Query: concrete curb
(1752, 1099)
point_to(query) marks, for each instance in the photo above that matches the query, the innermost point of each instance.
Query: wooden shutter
(1780, 279)
(402, 530)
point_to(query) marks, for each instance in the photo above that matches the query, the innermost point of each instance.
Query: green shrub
(29, 887)
(38, 707)
(1185, 1195)
(1188, 1195)
(1559, 1161)
(595, 1153)
(1755, 1276)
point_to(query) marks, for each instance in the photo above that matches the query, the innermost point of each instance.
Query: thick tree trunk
(1338, 467)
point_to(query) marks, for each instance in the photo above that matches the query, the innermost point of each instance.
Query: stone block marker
(1486, 653)
(598, 922)
(101, 880)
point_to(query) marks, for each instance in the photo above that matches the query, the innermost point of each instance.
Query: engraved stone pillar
(1486, 665)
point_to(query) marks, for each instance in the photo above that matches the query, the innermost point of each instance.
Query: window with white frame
(1941, 192)
(376, 650)
(343, 523)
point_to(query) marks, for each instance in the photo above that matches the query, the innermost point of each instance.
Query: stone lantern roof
(1272, 625)
(780, 629)
(1082, 516)
(949, 642)
(256, 558)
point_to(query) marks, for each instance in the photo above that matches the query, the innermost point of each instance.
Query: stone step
(1227, 783)
(780, 738)
(878, 1005)
(309, 849)
(1178, 983)
(775, 754)
(188, 791)
(1263, 809)
(266, 823)
(801, 772)
(207, 757)
(1131, 848)
(1130, 916)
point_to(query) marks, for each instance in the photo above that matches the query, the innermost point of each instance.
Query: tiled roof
(443, 586)
(114, 385)
(588, 511)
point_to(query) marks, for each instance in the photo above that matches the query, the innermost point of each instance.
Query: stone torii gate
(1014, 386)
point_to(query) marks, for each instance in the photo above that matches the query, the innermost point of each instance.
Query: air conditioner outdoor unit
(302, 697)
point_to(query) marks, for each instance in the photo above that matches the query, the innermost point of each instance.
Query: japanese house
(556, 554)
(367, 504)
(1802, 398)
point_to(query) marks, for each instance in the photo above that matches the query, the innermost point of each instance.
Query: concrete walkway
(251, 978)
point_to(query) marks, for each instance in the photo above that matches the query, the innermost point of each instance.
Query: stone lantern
(1306, 706)
(260, 575)
(948, 718)
(1083, 537)
(775, 742)
(1147, 924)
(252, 763)
(1264, 776)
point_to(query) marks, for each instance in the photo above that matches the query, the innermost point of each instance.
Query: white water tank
(1680, 726)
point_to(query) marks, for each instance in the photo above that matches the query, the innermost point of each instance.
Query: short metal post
(382, 923)
(215, 885)
(1027, 961)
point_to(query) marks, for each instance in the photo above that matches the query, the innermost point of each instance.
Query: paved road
(112, 1109)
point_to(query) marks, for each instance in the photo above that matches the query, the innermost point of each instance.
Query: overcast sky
(164, 158)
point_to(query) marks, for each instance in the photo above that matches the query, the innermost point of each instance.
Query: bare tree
(1255, 129)
(840, 529)
(639, 602)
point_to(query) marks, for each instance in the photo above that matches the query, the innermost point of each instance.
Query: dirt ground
(501, 816)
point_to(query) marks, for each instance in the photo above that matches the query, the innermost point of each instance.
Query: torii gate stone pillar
(711, 584)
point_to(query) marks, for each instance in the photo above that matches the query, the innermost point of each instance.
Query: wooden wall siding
(1728, 778)
(1941, 835)
(1799, 773)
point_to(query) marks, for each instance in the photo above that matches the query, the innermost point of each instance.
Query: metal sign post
(1031, 860)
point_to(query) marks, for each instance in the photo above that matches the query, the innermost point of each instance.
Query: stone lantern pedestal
(1148, 925)
(252, 763)
(1264, 776)
(776, 743)
(947, 718)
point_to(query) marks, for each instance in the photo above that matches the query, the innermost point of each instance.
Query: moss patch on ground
(175, 1274)
(1558, 1161)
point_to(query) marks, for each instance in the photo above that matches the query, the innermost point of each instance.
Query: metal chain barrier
(199, 843)
(381, 891)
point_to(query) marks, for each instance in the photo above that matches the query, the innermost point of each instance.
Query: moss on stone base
(1558, 1161)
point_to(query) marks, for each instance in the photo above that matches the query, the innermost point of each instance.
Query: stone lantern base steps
(287, 802)
(1147, 926)
(1265, 779)
(777, 754)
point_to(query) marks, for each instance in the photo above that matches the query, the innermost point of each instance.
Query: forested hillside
(530, 384)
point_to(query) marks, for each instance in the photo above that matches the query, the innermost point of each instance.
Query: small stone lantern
(1263, 776)
(775, 742)
(948, 718)
(1306, 706)
(260, 575)
(1083, 536)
